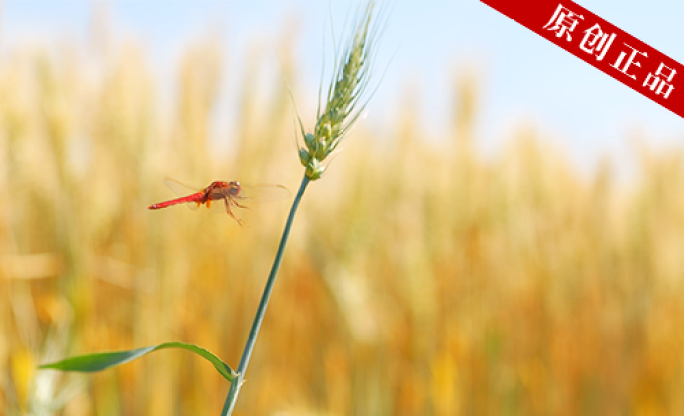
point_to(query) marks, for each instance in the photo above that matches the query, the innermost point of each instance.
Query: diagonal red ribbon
(602, 45)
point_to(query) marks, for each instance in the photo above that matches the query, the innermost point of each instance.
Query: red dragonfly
(232, 194)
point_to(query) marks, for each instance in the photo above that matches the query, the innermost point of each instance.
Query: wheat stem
(235, 385)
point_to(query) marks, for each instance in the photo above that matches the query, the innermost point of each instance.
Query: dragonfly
(223, 196)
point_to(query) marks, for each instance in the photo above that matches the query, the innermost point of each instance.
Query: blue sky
(522, 77)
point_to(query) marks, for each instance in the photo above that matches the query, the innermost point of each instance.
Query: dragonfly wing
(180, 188)
(225, 206)
(261, 194)
(192, 205)
(217, 206)
(221, 206)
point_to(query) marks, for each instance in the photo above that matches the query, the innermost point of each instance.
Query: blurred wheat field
(422, 279)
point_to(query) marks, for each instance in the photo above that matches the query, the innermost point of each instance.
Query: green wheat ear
(345, 97)
(350, 80)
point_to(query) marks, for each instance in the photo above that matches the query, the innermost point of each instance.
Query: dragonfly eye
(235, 188)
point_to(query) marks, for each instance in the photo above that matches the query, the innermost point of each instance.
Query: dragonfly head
(234, 187)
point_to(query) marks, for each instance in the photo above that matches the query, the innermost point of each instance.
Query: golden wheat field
(422, 278)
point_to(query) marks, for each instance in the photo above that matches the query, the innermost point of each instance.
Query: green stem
(234, 390)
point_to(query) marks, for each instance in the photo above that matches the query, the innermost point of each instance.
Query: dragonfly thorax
(219, 188)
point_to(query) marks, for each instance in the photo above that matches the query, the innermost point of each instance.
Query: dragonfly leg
(230, 212)
(241, 206)
(239, 221)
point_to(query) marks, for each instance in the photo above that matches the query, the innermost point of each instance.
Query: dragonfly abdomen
(198, 198)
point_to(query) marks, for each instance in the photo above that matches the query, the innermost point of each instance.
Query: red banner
(601, 44)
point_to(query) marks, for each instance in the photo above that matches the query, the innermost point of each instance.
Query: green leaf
(90, 363)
